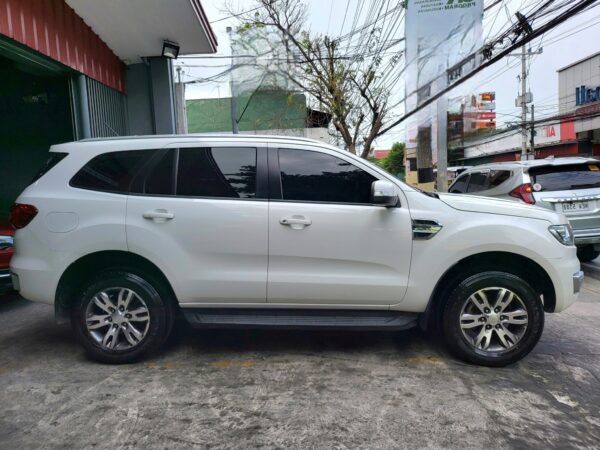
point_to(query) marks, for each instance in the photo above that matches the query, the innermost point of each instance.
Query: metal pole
(84, 108)
(234, 121)
(532, 152)
(180, 109)
(442, 144)
(523, 105)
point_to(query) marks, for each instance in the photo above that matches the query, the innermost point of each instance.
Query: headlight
(563, 233)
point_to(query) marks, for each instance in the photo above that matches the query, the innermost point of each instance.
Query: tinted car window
(497, 177)
(217, 172)
(53, 160)
(112, 172)
(460, 185)
(160, 180)
(563, 178)
(478, 182)
(313, 176)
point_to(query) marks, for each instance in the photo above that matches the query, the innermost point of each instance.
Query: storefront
(75, 69)
(556, 138)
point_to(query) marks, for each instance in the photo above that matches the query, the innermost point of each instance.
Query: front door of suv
(200, 213)
(328, 245)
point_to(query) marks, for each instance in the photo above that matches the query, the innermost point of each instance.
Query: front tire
(492, 319)
(587, 253)
(121, 317)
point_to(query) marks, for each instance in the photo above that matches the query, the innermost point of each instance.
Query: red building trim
(505, 157)
(567, 131)
(52, 28)
(380, 154)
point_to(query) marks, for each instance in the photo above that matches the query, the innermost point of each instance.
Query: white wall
(586, 73)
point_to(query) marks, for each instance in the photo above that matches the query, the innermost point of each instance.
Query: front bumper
(567, 278)
(587, 236)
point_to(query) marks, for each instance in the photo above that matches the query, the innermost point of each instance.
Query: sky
(575, 39)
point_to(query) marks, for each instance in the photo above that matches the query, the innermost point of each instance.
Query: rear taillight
(525, 193)
(21, 215)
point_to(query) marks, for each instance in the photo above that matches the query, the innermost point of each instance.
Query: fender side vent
(425, 229)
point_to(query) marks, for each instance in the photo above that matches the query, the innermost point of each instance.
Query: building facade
(574, 131)
(75, 69)
(262, 112)
(579, 98)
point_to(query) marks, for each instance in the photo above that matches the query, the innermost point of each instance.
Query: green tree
(394, 161)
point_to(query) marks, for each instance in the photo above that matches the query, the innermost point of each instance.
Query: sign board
(442, 37)
(585, 95)
(440, 34)
(486, 116)
(485, 125)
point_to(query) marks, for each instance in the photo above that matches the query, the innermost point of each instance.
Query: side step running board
(299, 319)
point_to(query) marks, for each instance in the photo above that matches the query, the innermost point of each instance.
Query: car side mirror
(384, 193)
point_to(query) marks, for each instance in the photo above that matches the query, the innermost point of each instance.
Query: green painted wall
(264, 111)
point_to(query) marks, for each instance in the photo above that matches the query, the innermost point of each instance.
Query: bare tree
(342, 84)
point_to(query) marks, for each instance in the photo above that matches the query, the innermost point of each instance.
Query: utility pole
(234, 121)
(525, 98)
(532, 141)
(523, 105)
(180, 109)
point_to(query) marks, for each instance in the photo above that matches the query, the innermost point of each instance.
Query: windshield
(567, 177)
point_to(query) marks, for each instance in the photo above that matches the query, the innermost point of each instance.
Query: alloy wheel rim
(494, 320)
(117, 319)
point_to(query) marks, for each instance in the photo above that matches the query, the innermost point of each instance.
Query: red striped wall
(514, 156)
(54, 29)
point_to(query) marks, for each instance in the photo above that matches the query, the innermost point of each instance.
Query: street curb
(591, 270)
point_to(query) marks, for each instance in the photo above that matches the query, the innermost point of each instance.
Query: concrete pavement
(245, 389)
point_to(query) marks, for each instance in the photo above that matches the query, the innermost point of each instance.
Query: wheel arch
(512, 263)
(84, 269)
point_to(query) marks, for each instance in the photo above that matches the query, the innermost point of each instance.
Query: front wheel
(587, 253)
(121, 318)
(493, 319)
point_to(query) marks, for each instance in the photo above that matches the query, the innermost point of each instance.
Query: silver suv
(570, 186)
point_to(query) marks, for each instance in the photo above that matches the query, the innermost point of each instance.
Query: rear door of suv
(200, 213)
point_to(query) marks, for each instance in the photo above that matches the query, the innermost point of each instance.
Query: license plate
(575, 206)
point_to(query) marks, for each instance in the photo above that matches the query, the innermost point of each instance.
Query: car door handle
(296, 222)
(158, 215)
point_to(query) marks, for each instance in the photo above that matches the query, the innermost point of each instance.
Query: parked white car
(570, 186)
(230, 231)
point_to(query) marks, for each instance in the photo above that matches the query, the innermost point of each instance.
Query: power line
(552, 23)
(345, 15)
(231, 16)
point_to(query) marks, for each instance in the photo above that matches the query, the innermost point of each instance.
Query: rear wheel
(493, 319)
(587, 253)
(121, 317)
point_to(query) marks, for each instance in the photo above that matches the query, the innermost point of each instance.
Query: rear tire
(121, 317)
(492, 319)
(587, 253)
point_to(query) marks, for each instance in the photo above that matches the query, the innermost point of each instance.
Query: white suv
(121, 235)
(570, 186)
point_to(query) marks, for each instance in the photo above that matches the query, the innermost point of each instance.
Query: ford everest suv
(123, 235)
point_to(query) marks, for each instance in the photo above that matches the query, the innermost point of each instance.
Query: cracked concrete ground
(248, 389)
